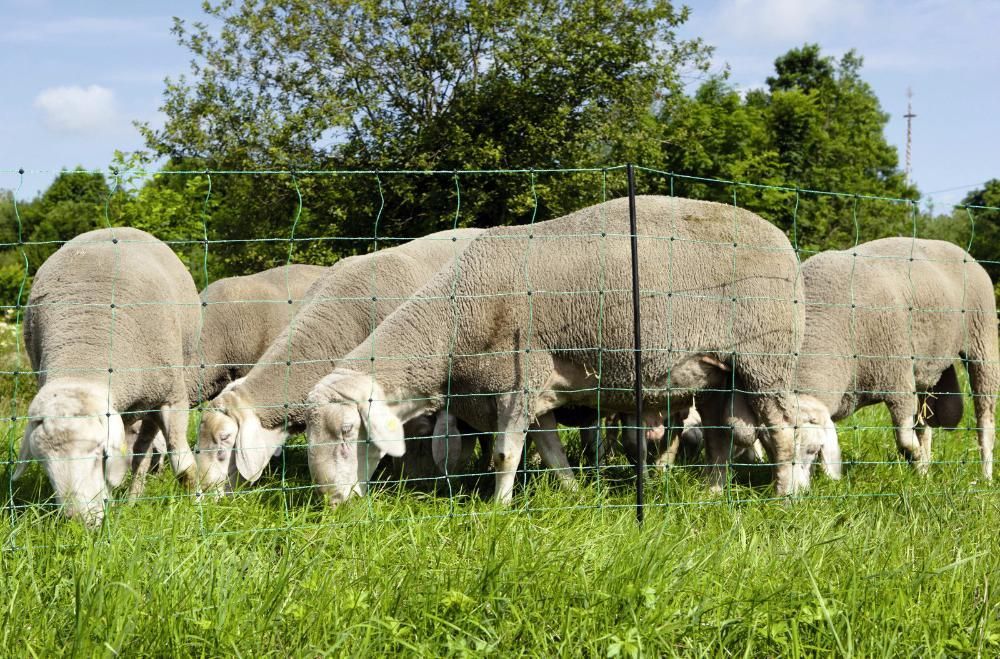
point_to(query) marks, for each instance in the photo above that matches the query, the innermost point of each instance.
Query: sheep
(885, 322)
(247, 423)
(109, 325)
(240, 317)
(540, 316)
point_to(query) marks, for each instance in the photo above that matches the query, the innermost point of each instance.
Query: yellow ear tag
(124, 450)
(393, 425)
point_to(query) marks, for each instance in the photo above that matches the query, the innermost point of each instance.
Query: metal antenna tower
(909, 128)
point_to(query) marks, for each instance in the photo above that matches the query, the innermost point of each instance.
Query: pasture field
(883, 563)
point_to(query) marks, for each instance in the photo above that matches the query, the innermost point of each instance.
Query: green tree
(12, 272)
(974, 224)
(441, 84)
(74, 202)
(817, 126)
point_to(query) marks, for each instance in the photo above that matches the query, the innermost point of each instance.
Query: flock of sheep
(510, 330)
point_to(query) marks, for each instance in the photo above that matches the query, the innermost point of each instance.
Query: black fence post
(640, 464)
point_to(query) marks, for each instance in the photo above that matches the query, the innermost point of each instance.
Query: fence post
(640, 464)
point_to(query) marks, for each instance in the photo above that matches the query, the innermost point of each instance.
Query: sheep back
(892, 314)
(715, 280)
(123, 313)
(241, 317)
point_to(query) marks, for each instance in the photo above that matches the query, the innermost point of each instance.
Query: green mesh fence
(588, 453)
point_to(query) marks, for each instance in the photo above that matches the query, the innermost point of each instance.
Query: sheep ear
(446, 445)
(116, 457)
(24, 454)
(384, 428)
(830, 453)
(254, 445)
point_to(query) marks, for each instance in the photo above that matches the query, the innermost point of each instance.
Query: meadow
(883, 563)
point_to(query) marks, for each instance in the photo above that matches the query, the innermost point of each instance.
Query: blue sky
(76, 75)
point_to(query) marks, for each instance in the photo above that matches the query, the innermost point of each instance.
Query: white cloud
(78, 110)
(787, 20)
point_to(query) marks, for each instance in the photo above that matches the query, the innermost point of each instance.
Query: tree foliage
(445, 85)
(817, 126)
(367, 88)
(73, 203)
(974, 224)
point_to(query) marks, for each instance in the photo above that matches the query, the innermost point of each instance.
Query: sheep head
(232, 442)
(350, 428)
(80, 441)
(815, 436)
(816, 439)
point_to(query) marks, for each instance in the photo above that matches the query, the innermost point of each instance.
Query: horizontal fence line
(541, 292)
(119, 173)
(387, 238)
(326, 524)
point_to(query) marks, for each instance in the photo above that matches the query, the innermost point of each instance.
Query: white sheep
(109, 325)
(537, 317)
(251, 420)
(240, 316)
(885, 323)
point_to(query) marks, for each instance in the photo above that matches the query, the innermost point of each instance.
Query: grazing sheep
(240, 318)
(252, 419)
(110, 323)
(885, 323)
(537, 317)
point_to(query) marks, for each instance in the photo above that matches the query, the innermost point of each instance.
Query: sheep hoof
(569, 484)
(188, 479)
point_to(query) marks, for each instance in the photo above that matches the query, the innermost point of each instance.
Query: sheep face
(349, 430)
(214, 451)
(80, 442)
(341, 460)
(816, 440)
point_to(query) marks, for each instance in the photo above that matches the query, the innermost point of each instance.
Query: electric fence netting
(491, 371)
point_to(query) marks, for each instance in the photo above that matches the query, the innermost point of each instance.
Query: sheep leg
(717, 447)
(669, 457)
(716, 467)
(593, 446)
(546, 440)
(983, 366)
(781, 446)
(924, 435)
(174, 420)
(142, 458)
(984, 423)
(507, 449)
(904, 418)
